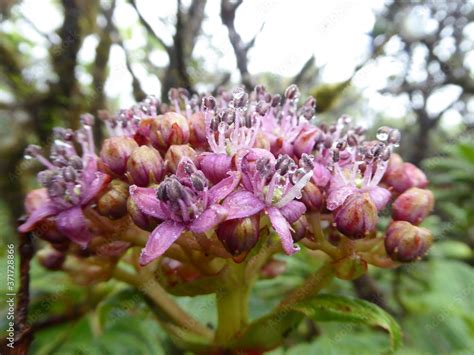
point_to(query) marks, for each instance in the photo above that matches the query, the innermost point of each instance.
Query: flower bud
(168, 129)
(281, 146)
(239, 235)
(142, 220)
(299, 229)
(177, 273)
(113, 203)
(312, 197)
(305, 141)
(145, 166)
(177, 152)
(197, 129)
(214, 166)
(394, 163)
(357, 217)
(350, 267)
(413, 205)
(405, 176)
(405, 242)
(90, 270)
(115, 153)
(51, 258)
(273, 268)
(101, 246)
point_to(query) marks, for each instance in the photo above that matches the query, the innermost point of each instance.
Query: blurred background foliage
(415, 72)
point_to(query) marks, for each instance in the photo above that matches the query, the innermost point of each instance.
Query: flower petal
(210, 218)
(242, 204)
(338, 195)
(282, 227)
(379, 196)
(221, 190)
(160, 240)
(48, 209)
(146, 200)
(293, 210)
(94, 187)
(215, 166)
(72, 224)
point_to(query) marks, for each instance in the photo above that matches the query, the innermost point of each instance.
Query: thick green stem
(232, 303)
(311, 286)
(164, 303)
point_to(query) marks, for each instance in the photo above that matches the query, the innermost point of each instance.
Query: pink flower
(71, 182)
(183, 202)
(271, 186)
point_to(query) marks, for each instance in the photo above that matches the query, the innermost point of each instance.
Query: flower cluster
(213, 174)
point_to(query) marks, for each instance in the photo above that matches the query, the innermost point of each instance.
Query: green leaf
(344, 309)
(274, 327)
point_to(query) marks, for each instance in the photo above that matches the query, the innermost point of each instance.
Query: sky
(335, 32)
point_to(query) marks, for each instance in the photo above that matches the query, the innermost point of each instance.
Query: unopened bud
(115, 153)
(405, 242)
(145, 166)
(357, 217)
(239, 235)
(413, 205)
(51, 258)
(197, 129)
(312, 197)
(113, 203)
(299, 229)
(177, 152)
(405, 176)
(168, 129)
(306, 140)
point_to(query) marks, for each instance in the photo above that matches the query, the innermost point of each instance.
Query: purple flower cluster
(223, 168)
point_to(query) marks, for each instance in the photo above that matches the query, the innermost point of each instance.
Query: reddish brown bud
(197, 129)
(115, 153)
(299, 229)
(113, 203)
(273, 268)
(312, 197)
(51, 258)
(145, 166)
(394, 163)
(405, 242)
(413, 205)
(405, 176)
(350, 267)
(357, 217)
(175, 153)
(239, 235)
(170, 128)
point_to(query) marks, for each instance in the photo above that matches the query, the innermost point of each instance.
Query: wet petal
(242, 204)
(48, 209)
(72, 224)
(282, 227)
(210, 218)
(221, 190)
(293, 210)
(379, 196)
(215, 166)
(337, 196)
(160, 240)
(93, 188)
(147, 202)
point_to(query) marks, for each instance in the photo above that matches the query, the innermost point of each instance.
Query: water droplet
(382, 133)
